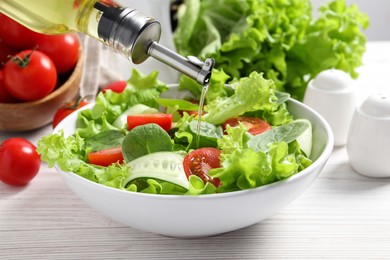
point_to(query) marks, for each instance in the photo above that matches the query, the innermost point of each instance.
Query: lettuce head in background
(280, 38)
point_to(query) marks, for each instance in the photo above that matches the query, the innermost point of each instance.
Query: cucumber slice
(166, 166)
(121, 121)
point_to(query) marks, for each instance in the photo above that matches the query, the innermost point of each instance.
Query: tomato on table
(106, 157)
(199, 162)
(16, 35)
(62, 49)
(19, 161)
(255, 125)
(163, 120)
(30, 75)
(66, 110)
(116, 86)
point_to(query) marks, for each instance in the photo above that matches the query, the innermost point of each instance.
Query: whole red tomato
(15, 34)
(5, 96)
(63, 50)
(66, 110)
(19, 161)
(30, 75)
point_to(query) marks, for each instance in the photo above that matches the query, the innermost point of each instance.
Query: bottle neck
(128, 31)
(136, 36)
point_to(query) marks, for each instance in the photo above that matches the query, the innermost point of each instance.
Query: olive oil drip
(200, 112)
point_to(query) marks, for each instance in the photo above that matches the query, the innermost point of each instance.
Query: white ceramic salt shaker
(368, 145)
(332, 94)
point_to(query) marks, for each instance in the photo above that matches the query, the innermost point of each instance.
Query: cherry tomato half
(200, 161)
(19, 161)
(106, 157)
(30, 75)
(255, 125)
(116, 86)
(163, 120)
(16, 35)
(62, 49)
(66, 110)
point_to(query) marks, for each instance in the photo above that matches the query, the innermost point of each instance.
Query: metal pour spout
(191, 66)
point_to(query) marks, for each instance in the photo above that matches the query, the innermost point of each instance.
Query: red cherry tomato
(255, 125)
(62, 49)
(30, 75)
(5, 96)
(19, 161)
(6, 52)
(15, 34)
(116, 86)
(106, 157)
(66, 110)
(163, 120)
(200, 161)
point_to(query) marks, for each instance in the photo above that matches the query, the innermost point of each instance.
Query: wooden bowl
(25, 116)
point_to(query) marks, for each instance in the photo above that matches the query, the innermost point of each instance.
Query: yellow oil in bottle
(54, 17)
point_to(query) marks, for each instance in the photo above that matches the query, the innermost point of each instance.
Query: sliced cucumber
(166, 166)
(121, 121)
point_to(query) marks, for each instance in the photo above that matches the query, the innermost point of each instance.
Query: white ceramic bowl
(204, 215)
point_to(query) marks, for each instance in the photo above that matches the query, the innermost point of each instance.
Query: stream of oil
(200, 112)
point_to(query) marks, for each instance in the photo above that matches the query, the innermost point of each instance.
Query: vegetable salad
(151, 152)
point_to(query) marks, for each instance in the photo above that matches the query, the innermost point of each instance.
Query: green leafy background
(280, 38)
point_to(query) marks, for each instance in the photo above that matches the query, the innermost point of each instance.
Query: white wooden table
(341, 215)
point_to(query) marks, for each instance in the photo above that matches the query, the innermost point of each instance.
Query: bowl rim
(323, 156)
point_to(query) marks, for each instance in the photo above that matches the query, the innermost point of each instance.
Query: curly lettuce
(280, 38)
(250, 94)
(246, 169)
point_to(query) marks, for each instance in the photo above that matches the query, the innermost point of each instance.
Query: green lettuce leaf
(246, 169)
(198, 187)
(216, 89)
(251, 93)
(143, 140)
(69, 154)
(155, 186)
(236, 138)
